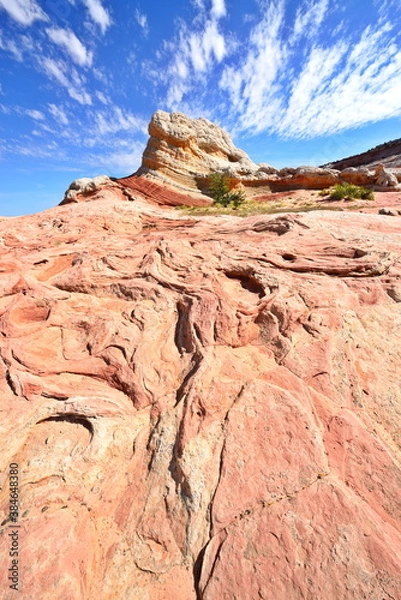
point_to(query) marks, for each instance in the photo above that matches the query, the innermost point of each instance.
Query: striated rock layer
(182, 152)
(201, 408)
(388, 154)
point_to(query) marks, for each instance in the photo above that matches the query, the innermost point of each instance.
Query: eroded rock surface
(201, 408)
(182, 152)
(385, 178)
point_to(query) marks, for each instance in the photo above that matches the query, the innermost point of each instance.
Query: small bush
(219, 190)
(348, 191)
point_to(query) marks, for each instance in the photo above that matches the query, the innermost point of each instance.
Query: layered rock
(87, 188)
(307, 178)
(201, 408)
(388, 154)
(182, 152)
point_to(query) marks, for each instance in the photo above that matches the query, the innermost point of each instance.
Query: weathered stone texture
(201, 407)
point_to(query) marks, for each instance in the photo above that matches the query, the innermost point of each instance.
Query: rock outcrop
(388, 154)
(182, 152)
(87, 187)
(385, 178)
(200, 408)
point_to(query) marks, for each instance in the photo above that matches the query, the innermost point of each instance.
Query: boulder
(391, 212)
(385, 178)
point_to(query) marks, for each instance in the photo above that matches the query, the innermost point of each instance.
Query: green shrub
(219, 190)
(347, 191)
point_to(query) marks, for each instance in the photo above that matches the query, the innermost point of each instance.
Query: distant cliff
(388, 154)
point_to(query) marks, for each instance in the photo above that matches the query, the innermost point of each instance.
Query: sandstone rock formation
(127, 188)
(385, 178)
(201, 408)
(307, 178)
(86, 187)
(182, 152)
(359, 176)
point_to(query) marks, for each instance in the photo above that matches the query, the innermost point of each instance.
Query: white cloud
(72, 45)
(18, 46)
(344, 86)
(203, 46)
(116, 120)
(35, 114)
(196, 52)
(142, 21)
(305, 84)
(98, 14)
(218, 9)
(213, 43)
(252, 85)
(309, 18)
(12, 47)
(102, 98)
(24, 12)
(57, 70)
(59, 114)
(80, 96)
(119, 163)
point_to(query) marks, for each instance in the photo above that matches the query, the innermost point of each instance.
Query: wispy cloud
(118, 163)
(323, 86)
(72, 45)
(18, 46)
(24, 12)
(35, 114)
(309, 18)
(115, 120)
(253, 84)
(58, 114)
(102, 98)
(11, 46)
(73, 82)
(345, 86)
(142, 21)
(199, 48)
(98, 14)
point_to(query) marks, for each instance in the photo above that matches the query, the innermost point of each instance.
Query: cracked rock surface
(201, 408)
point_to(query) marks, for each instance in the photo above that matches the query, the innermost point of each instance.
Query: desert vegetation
(348, 191)
(219, 190)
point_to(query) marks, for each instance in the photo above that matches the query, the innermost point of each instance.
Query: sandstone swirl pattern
(202, 408)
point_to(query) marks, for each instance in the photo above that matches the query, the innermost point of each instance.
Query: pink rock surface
(201, 407)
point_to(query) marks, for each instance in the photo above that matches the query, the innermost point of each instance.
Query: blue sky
(294, 82)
